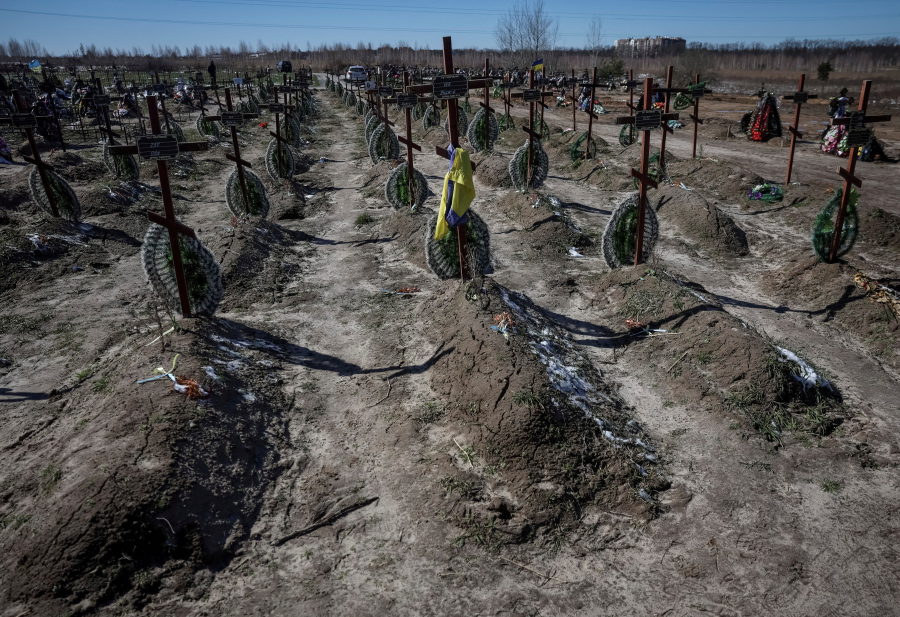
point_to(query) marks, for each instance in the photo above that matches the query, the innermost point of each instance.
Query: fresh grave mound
(436, 136)
(129, 488)
(559, 147)
(537, 438)
(492, 170)
(828, 292)
(77, 169)
(700, 355)
(372, 181)
(541, 225)
(720, 179)
(701, 224)
(407, 231)
(605, 174)
(879, 227)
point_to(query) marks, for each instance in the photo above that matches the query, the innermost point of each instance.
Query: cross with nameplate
(858, 135)
(531, 96)
(162, 148)
(799, 98)
(591, 114)
(233, 119)
(26, 121)
(406, 102)
(451, 87)
(645, 121)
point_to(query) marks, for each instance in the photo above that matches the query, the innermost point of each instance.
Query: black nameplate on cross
(160, 147)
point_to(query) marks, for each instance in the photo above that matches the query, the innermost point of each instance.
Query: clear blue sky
(128, 23)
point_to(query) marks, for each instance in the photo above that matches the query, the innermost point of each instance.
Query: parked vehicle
(356, 74)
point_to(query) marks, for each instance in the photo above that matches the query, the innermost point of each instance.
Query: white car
(357, 74)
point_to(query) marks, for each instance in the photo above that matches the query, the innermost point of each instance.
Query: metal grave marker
(232, 118)
(448, 87)
(157, 147)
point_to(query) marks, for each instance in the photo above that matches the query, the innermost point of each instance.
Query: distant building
(635, 48)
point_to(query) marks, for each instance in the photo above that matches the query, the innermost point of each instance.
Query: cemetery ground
(369, 452)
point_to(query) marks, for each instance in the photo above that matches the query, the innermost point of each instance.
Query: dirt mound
(880, 228)
(492, 170)
(542, 224)
(829, 293)
(720, 179)
(605, 174)
(705, 356)
(558, 145)
(408, 230)
(436, 136)
(536, 437)
(372, 182)
(77, 169)
(132, 487)
(702, 224)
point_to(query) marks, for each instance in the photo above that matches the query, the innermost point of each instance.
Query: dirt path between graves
(364, 444)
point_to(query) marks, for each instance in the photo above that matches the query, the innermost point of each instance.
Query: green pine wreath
(577, 149)
(620, 236)
(396, 189)
(518, 166)
(823, 227)
(627, 135)
(63, 196)
(442, 255)
(207, 127)
(256, 194)
(483, 130)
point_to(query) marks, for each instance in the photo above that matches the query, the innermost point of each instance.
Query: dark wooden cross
(591, 115)
(385, 93)
(406, 103)
(452, 126)
(163, 148)
(532, 97)
(696, 115)
(630, 84)
(574, 101)
(233, 119)
(645, 121)
(799, 98)
(858, 136)
(28, 122)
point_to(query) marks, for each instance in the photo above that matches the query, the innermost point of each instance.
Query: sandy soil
(370, 453)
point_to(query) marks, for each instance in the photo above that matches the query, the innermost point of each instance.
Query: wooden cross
(26, 121)
(278, 109)
(162, 148)
(233, 119)
(799, 98)
(385, 93)
(857, 136)
(644, 121)
(574, 101)
(452, 121)
(533, 96)
(696, 115)
(630, 85)
(407, 104)
(591, 115)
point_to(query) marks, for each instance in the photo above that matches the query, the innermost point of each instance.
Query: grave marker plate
(385, 92)
(370, 86)
(238, 81)
(407, 101)
(857, 120)
(801, 97)
(198, 77)
(157, 147)
(647, 119)
(160, 88)
(101, 100)
(450, 87)
(276, 108)
(24, 121)
(858, 137)
(531, 95)
(232, 118)
(284, 89)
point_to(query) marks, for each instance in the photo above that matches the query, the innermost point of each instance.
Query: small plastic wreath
(518, 166)
(620, 235)
(682, 101)
(823, 228)
(506, 122)
(577, 149)
(173, 128)
(627, 135)
(462, 121)
(63, 196)
(418, 111)
(122, 165)
(655, 170)
(442, 255)
(483, 130)
(207, 127)
(431, 118)
(201, 272)
(383, 144)
(279, 161)
(292, 131)
(766, 192)
(396, 189)
(371, 123)
(540, 127)
(256, 195)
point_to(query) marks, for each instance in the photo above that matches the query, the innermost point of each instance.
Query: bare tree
(526, 32)
(594, 39)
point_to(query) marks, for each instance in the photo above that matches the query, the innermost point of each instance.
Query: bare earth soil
(365, 452)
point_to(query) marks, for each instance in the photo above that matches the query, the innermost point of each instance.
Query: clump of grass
(642, 302)
(466, 490)
(50, 477)
(704, 357)
(831, 486)
(103, 384)
(429, 413)
(85, 373)
(364, 219)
